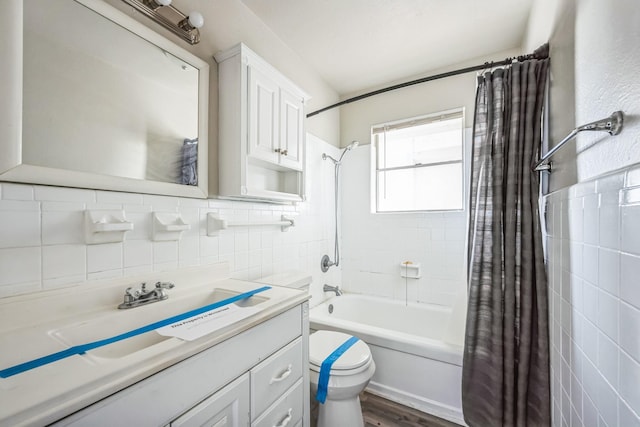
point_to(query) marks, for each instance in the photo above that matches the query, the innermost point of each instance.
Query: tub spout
(336, 289)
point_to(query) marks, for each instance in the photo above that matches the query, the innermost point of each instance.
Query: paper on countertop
(198, 326)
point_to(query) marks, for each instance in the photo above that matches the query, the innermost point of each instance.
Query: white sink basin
(109, 323)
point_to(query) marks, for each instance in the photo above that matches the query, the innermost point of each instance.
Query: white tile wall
(374, 245)
(42, 243)
(593, 256)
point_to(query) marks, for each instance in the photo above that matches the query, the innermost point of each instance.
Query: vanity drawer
(286, 411)
(273, 377)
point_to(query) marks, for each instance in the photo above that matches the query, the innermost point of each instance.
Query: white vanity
(251, 372)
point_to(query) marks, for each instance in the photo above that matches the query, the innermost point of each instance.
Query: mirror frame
(12, 169)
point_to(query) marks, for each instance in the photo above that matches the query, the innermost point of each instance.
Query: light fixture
(161, 11)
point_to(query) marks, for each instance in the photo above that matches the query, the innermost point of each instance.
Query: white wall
(593, 250)
(42, 245)
(374, 245)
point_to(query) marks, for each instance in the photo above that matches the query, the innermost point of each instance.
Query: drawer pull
(285, 420)
(282, 376)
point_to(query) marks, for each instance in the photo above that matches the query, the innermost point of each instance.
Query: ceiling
(360, 44)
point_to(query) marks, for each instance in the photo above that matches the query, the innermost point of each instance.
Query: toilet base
(345, 412)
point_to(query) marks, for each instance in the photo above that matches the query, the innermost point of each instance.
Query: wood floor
(379, 412)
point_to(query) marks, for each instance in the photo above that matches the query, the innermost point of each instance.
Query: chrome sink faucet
(336, 289)
(137, 297)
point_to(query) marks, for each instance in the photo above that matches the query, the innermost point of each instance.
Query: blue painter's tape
(81, 349)
(325, 368)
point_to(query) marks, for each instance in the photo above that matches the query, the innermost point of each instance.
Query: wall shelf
(168, 226)
(105, 226)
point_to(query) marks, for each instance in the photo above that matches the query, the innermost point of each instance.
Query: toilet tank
(290, 279)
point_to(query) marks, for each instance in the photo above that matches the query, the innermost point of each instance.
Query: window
(418, 163)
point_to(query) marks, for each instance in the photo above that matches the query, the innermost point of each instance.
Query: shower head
(349, 147)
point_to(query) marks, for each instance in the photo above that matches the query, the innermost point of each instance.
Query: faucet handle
(164, 285)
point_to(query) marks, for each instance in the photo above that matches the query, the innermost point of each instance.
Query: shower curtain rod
(540, 53)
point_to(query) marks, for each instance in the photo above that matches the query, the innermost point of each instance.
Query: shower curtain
(505, 378)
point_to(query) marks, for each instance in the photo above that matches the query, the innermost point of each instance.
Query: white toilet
(349, 374)
(348, 377)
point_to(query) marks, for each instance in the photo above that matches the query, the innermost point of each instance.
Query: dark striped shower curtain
(506, 356)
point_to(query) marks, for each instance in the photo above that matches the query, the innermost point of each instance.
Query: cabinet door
(263, 116)
(228, 407)
(291, 130)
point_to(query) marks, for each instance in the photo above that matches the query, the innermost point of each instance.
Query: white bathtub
(417, 348)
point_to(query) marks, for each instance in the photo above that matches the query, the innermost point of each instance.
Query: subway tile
(20, 266)
(627, 417)
(104, 258)
(609, 271)
(226, 243)
(589, 411)
(209, 246)
(165, 252)
(629, 389)
(576, 396)
(629, 274)
(62, 223)
(575, 220)
(612, 182)
(19, 224)
(630, 229)
(590, 342)
(590, 263)
(608, 359)
(62, 261)
(241, 241)
(609, 221)
(630, 330)
(191, 215)
(590, 298)
(608, 314)
(607, 402)
(591, 219)
(632, 177)
(12, 191)
(188, 251)
(137, 253)
(577, 300)
(142, 223)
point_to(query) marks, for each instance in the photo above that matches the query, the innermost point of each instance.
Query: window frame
(410, 122)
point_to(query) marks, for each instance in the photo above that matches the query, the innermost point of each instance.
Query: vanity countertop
(30, 328)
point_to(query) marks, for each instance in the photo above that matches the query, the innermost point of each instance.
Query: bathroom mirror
(98, 100)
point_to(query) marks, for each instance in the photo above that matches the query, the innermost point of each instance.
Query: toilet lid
(323, 343)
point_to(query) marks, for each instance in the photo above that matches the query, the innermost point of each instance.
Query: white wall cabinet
(261, 129)
(258, 377)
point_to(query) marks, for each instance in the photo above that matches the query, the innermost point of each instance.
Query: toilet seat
(322, 343)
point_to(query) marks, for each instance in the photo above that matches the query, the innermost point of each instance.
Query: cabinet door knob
(277, 150)
(285, 152)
